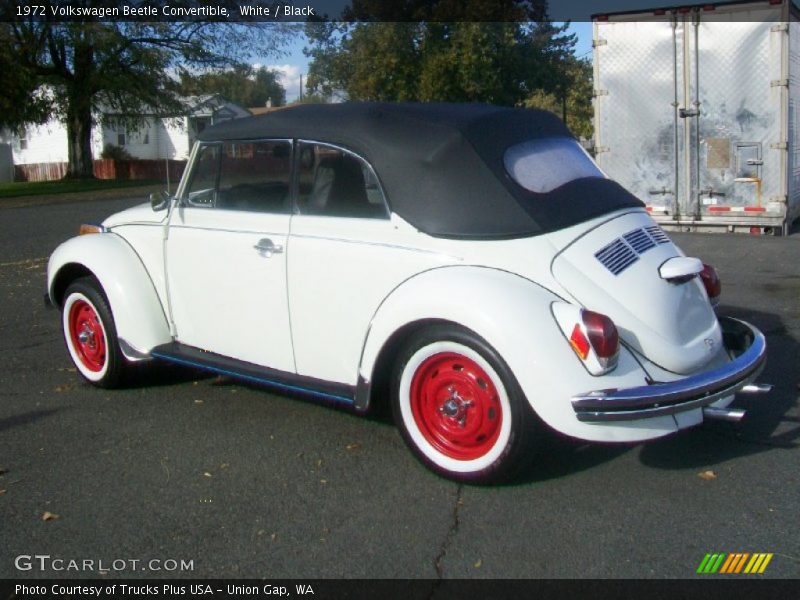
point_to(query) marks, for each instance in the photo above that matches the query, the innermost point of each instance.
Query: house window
(200, 123)
(120, 138)
(22, 134)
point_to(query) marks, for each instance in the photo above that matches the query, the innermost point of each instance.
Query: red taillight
(602, 334)
(711, 281)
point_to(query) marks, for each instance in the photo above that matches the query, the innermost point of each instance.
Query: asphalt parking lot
(245, 483)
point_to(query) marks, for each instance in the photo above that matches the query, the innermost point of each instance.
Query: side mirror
(160, 200)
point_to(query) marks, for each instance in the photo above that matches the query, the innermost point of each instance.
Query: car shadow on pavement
(560, 456)
(161, 374)
(25, 418)
(771, 422)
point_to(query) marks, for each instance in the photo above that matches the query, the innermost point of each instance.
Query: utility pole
(301, 87)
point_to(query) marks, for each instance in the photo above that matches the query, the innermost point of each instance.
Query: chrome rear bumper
(743, 342)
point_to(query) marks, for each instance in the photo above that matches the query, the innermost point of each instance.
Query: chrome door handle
(266, 248)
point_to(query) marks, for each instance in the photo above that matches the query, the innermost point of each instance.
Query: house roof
(442, 165)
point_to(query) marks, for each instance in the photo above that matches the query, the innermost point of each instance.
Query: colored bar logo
(735, 562)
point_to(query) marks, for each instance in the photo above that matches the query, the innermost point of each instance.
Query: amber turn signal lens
(89, 228)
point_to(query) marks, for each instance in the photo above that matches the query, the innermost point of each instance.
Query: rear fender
(139, 316)
(506, 310)
(514, 315)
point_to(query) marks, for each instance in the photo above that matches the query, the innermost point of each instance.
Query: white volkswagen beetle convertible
(469, 264)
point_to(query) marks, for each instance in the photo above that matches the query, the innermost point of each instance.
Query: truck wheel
(459, 408)
(90, 334)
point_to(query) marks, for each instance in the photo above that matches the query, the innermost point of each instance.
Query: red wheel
(459, 408)
(456, 406)
(90, 334)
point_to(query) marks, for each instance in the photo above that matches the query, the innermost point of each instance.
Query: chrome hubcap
(455, 407)
(86, 336)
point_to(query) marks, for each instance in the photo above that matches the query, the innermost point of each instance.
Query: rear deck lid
(615, 269)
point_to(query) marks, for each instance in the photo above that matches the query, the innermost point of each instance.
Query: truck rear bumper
(744, 343)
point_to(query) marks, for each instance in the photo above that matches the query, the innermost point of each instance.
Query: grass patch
(45, 188)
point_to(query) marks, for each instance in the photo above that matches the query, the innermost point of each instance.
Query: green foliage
(572, 98)
(115, 152)
(312, 98)
(500, 62)
(502, 52)
(242, 84)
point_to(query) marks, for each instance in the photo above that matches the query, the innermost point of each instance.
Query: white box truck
(697, 112)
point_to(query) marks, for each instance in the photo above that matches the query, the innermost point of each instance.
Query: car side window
(203, 182)
(335, 183)
(246, 176)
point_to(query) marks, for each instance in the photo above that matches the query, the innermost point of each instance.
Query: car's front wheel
(90, 334)
(459, 407)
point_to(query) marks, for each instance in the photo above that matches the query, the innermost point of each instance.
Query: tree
(571, 98)
(70, 69)
(242, 84)
(503, 61)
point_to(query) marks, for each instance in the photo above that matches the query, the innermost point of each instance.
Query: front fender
(514, 316)
(139, 316)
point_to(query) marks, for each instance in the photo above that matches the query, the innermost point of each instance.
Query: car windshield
(546, 164)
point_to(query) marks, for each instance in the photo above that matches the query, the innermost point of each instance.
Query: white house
(157, 137)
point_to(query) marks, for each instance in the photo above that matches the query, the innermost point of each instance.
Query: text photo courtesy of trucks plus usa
(346, 305)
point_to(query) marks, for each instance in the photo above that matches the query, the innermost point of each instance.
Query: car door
(347, 253)
(226, 253)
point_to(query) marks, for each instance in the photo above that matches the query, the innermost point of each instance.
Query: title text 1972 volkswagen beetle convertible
(468, 263)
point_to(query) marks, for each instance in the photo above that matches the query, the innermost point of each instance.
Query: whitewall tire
(90, 335)
(459, 408)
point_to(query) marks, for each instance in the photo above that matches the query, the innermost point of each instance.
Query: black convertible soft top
(441, 165)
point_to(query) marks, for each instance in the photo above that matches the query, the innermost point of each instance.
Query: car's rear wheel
(90, 334)
(459, 407)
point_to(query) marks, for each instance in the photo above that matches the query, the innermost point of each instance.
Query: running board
(175, 352)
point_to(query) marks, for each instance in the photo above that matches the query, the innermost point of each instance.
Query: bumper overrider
(748, 350)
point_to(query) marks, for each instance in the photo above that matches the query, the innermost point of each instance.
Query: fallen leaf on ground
(207, 474)
(198, 401)
(478, 564)
(48, 516)
(352, 446)
(3, 492)
(707, 475)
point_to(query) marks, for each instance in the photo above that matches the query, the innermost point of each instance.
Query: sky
(295, 64)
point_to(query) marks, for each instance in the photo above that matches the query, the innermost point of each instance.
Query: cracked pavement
(246, 483)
